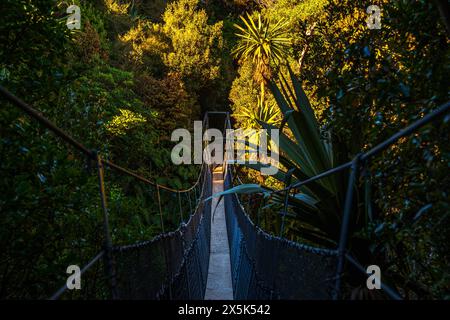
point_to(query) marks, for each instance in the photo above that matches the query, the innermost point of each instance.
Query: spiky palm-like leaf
(262, 42)
(265, 112)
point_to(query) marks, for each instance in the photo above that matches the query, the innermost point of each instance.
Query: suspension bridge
(224, 255)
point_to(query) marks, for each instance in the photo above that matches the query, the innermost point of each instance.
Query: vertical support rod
(345, 224)
(367, 192)
(185, 249)
(195, 193)
(190, 202)
(285, 207)
(287, 182)
(164, 247)
(181, 209)
(258, 213)
(160, 208)
(109, 260)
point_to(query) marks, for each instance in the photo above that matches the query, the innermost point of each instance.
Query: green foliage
(33, 43)
(153, 10)
(265, 111)
(194, 43)
(123, 122)
(244, 90)
(143, 47)
(171, 100)
(183, 46)
(376, 82)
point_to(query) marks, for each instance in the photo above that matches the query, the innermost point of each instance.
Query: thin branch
(309, 33)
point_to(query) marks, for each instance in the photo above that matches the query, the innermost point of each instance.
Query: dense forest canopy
(138, 69)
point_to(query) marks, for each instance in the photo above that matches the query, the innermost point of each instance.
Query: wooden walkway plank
(219, 285)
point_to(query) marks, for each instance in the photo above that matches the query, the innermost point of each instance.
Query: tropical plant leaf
(241, 189)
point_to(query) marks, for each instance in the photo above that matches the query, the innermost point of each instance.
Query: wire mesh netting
(268, 267)
(172, 266)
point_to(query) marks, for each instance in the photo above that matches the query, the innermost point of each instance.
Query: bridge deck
(219, 285)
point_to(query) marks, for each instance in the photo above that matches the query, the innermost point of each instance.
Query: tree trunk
(308, 34)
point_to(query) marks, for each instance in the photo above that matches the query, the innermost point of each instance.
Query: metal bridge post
(179, 204)
(258, 213)
(185, 249)
(354, 171)
(166, 260)
(108, 247)
(287, 182)
(195, 194)
(190, 202)
(160, 208)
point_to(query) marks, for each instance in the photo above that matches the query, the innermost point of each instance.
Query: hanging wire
(181, 209)
(160, 208)
(190, 204)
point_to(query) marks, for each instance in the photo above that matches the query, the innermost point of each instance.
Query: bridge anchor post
(108, 247)
(354, 172)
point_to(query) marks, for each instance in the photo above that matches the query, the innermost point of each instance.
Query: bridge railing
(257, 258)
(173, 264)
